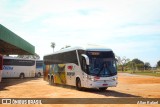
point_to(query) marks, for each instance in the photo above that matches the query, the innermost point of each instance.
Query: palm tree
(53, 45)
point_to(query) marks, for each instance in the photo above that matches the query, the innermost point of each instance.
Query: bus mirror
(86, 58)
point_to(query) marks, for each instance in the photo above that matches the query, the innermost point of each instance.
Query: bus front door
(70, 74)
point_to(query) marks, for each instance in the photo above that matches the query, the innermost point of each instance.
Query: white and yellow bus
(18, 67)
(91, 67)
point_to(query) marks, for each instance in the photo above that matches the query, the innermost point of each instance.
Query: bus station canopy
(12, 44)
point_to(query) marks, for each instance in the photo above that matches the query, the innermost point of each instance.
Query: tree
(132, 66)
(53, 45)
(137, 61)
(139, 64)
(147, 66)
(122, 62)
(158, 63)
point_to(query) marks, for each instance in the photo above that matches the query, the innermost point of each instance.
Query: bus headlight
(91, 78)
(114, 78)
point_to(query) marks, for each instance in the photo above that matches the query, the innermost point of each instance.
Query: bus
(1, 66)
(90, 67)
(18, 68)
(39, 68)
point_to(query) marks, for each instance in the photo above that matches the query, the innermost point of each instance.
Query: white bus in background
(18, 67)
(1, 66)
(39, 68)
(91, 67)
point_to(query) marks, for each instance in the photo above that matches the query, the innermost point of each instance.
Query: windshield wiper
(110, 72)
(100, 71)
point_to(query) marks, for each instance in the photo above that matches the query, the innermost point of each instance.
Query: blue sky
(130, 27)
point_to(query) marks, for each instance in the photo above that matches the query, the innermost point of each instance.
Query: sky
(131, 28)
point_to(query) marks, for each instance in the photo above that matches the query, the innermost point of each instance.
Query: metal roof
(10, 43)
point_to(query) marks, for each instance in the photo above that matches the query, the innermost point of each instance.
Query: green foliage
(53, 44)
(137, 61)
(147, 65)
(158, 64)
(122, 63)
(140, 66)
(137, 64)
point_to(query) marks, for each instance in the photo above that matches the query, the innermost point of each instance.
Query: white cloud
(138, 30)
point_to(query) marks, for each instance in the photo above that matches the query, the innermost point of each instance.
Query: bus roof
(87, 48)
(8, 57)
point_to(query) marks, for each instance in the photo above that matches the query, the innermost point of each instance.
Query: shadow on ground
(10, 82)
(107, 93)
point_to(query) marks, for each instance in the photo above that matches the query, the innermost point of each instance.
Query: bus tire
(52, 80)
(48, 79)
(103, 88)
(21, 76)
(39, 75)
(78, 84)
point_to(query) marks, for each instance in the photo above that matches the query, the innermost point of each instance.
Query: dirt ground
(129, 86)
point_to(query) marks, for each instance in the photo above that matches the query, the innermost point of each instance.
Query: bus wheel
(52, 81)
(103, 88)
(48, 79)
(21, 76)
(39, 75)
(78, 84)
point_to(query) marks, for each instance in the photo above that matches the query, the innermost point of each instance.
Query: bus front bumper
(99, 84)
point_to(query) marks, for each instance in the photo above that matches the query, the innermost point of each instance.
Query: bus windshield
(102, 64)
